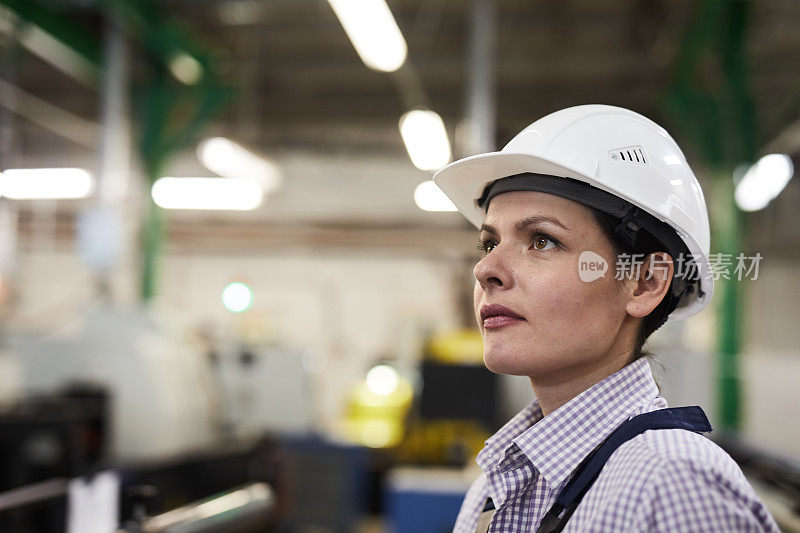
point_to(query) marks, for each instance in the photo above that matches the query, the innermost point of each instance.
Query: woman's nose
(492, 271)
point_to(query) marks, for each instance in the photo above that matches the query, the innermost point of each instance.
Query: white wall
(353, 307)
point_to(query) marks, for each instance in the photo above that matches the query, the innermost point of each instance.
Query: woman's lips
(498, 321)
(497, 316)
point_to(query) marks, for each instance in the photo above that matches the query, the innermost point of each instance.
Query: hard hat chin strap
(628, 226)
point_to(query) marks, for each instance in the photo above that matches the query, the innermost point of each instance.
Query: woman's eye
(486, 246)
(540, 242)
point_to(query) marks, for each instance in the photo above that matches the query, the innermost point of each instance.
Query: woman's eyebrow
(523, 224)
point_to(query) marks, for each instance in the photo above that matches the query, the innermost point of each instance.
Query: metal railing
(35, 492)
(240, 509)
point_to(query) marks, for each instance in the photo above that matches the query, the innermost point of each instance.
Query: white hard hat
(611, 149)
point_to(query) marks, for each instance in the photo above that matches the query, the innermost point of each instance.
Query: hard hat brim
(464, 180)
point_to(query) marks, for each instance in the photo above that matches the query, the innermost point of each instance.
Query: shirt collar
(557, 443)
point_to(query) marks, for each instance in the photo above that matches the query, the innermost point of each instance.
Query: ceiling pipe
(481, 105)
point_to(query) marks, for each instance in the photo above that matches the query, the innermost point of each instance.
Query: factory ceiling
(304, 98)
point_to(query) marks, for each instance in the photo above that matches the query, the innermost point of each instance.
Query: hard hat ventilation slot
(629, 154)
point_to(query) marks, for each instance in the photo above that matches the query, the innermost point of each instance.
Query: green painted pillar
(709, 101)
(171, 115)
(728, 229)
(153, 236)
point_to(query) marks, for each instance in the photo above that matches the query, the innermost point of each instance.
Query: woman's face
(533, 241)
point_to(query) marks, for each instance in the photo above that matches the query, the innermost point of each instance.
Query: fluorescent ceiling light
(763, 181)
(222, 194)
(231, 160)
(429, 197)
(373, 31)
(45, 183)
(425, 139)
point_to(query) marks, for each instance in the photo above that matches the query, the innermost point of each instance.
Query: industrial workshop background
(232, 299)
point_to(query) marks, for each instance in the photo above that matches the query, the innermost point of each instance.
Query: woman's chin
(504, 363)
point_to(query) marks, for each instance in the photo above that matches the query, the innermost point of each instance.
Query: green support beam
(173, 117)
(709, 102)
(174, 114)
(60, 26)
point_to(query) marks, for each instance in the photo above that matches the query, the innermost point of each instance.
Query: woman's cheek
(555, 295)
(476, 297)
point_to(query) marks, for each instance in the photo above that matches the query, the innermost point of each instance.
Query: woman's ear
(649, 284)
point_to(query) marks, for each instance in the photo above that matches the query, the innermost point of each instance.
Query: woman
(595, 233)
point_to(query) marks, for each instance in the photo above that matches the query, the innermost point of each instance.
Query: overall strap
(691, 418)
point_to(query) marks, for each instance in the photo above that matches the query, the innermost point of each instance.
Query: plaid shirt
(662, 480)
